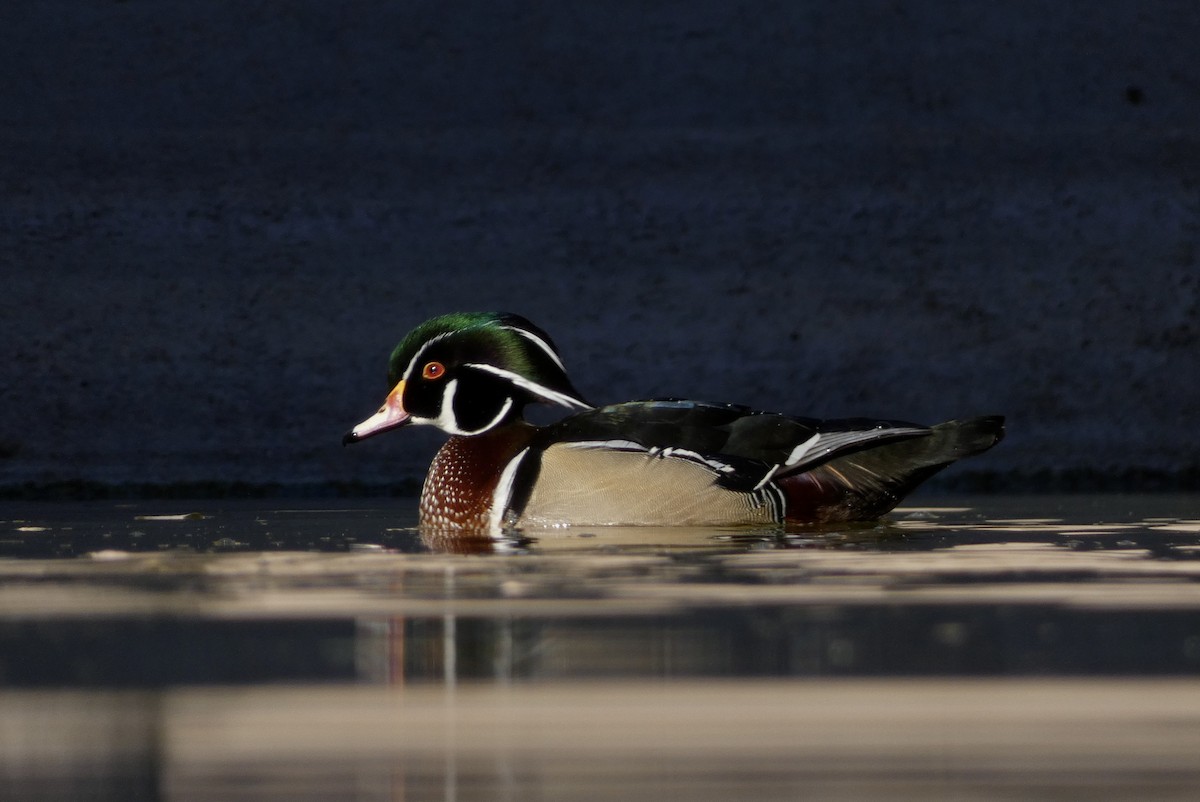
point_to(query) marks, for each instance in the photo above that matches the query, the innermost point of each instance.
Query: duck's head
(469, 373)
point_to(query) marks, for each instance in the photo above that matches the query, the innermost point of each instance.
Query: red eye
(433, 370)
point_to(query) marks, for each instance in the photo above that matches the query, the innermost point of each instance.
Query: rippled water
(967, 648)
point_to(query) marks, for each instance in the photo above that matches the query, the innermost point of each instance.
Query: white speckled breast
(462, 478)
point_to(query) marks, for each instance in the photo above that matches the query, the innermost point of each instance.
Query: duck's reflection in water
(903, 660)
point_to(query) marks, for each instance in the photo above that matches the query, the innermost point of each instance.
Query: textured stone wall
(216, 219)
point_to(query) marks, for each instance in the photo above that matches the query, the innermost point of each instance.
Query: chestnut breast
(462, 480)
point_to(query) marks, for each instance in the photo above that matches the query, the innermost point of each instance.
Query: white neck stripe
(508, 403)
(502, 496)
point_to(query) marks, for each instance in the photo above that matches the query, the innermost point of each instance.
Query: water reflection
(250, 652)
(898, 739)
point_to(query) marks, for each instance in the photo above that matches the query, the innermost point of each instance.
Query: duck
(656, 462)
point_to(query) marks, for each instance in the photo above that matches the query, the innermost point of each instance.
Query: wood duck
(641, 463)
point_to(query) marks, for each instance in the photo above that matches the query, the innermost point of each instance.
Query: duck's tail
(869, 483)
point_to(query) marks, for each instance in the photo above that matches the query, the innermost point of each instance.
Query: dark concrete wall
(217, 218)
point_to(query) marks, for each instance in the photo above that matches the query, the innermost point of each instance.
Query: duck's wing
(743, 448)
(868, 483)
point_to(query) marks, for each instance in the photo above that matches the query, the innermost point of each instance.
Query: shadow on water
(152, 650)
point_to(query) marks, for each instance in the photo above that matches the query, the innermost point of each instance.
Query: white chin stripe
(445, 419)
(447, 422)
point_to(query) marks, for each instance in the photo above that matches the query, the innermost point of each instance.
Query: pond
(963, 648)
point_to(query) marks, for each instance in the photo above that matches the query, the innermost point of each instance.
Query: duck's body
(662, 462)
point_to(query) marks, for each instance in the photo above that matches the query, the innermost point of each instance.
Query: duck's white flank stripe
(540, 343)
(693, 456)
(542, 391)
(502, 495)
(660, 453)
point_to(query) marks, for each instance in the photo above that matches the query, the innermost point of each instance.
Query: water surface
(991, 647)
